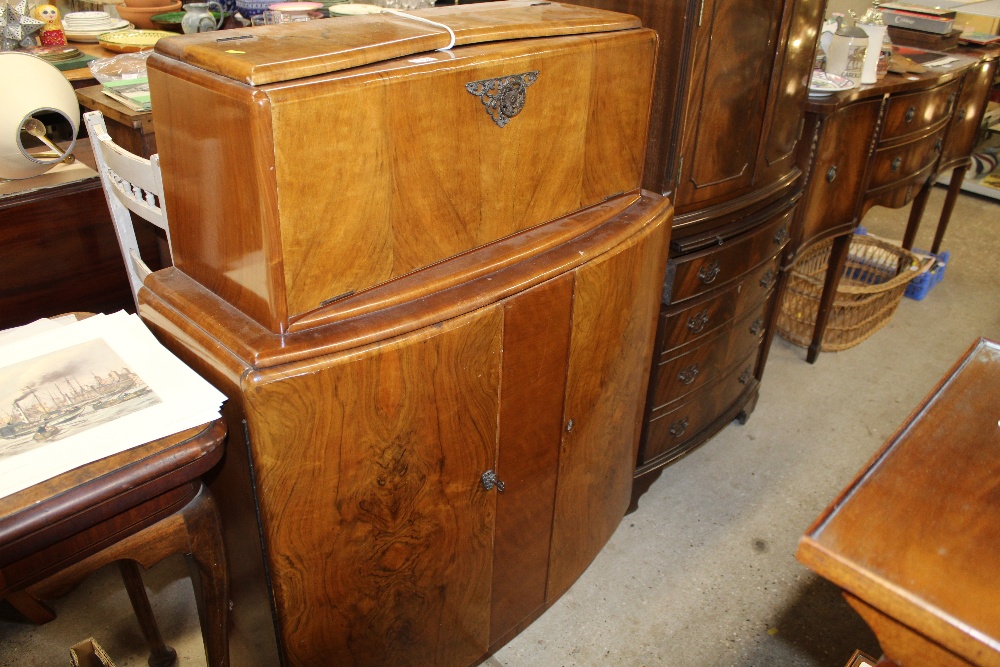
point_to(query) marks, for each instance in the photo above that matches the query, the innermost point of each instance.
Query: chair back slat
(131, 184)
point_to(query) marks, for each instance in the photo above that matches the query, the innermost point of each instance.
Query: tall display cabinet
(731, 86)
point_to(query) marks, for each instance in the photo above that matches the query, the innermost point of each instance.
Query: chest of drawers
(713, 324)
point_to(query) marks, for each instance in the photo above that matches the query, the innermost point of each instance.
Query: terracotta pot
(141, 16)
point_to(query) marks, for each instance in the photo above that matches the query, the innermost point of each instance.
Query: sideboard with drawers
(884, 145)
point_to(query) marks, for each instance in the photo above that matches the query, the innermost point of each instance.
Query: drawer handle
(687, 375)
(708, 273)
(678, 427)
(757, 326)
(767, 279)
(896, 163)
(489, 480)
(962, 113)
(781, 235)
(745, 376)
(831, 174)
(696, 323)
(910, 114)
(951, 100)
(938, 144)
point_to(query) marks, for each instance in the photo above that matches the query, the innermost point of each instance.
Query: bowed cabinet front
(423, 497)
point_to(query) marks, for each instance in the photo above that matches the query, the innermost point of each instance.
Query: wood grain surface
(368, 467)
(913, 535)
(410, 170)
(724, 100)
(614, 320)
(284, 52)
(428, 567)
(536, 331)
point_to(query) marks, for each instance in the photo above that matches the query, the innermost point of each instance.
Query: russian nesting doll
(51, 33)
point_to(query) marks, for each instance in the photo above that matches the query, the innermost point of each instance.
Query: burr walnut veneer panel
(366, 442)
(327, 181)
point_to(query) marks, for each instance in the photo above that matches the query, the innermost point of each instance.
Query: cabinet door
(615, 300)
(835, 167)
(536, 331)
(377, 530)
(732, 59)
(968, 114)
(789, 88)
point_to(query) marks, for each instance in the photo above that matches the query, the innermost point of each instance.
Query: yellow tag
(234, 51)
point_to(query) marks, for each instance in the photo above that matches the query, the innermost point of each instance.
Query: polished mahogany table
(135, 507)
(913, 540)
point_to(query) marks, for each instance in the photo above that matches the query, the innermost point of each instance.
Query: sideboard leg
(954, 187)
(916, 213)
(838, 256)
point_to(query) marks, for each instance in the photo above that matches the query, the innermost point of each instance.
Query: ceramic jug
(846, 55)
(198, 17)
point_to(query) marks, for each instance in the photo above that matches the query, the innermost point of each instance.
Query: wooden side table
(913, 540)
(130, 129)
(139, 506)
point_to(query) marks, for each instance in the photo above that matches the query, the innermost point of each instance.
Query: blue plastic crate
(921, 286)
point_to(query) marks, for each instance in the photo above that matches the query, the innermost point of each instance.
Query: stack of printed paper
(73, 392)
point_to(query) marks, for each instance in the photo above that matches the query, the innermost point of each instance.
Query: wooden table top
(70, 502)
(916, 534)
(82, 76)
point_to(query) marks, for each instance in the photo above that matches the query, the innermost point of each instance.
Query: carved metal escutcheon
(504, 96)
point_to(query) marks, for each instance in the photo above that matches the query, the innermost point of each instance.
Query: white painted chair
(131, 183)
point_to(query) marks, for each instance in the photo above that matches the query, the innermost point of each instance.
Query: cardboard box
(89, 653)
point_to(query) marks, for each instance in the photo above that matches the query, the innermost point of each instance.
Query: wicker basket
(875, 276)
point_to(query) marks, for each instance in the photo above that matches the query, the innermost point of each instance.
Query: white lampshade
(31, 86)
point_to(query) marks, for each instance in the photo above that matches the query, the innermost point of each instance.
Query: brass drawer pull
(687, 375)
(767, 279)
(911, 114)
(938, 144)
(962, 113)
(757, 326)
(896, 164)
(708, 273)
(831, 174)
(745, 376)
(696, 323)
(489, 480)
(781, 235)
(678, 427)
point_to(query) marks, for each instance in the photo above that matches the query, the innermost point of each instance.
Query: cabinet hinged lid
(270, 54)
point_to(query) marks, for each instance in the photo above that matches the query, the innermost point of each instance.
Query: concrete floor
(703, 572)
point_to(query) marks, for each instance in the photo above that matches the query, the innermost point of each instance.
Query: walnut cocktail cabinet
(883, 145)
(428, 478)
(731, 86)
(428, 283)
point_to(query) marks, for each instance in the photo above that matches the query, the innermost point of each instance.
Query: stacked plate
(88, 26)
(56, 54)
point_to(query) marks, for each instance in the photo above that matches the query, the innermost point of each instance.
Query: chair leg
(31, 607)
(208, 559)
(160, 655)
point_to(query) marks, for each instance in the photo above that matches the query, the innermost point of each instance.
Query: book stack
(133, 93)
(922, 27)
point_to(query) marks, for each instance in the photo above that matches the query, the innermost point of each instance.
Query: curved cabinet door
(732, 59)
(615, 300)
(964, 128)
(838, 156)
(379, 533)
(789, 88)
